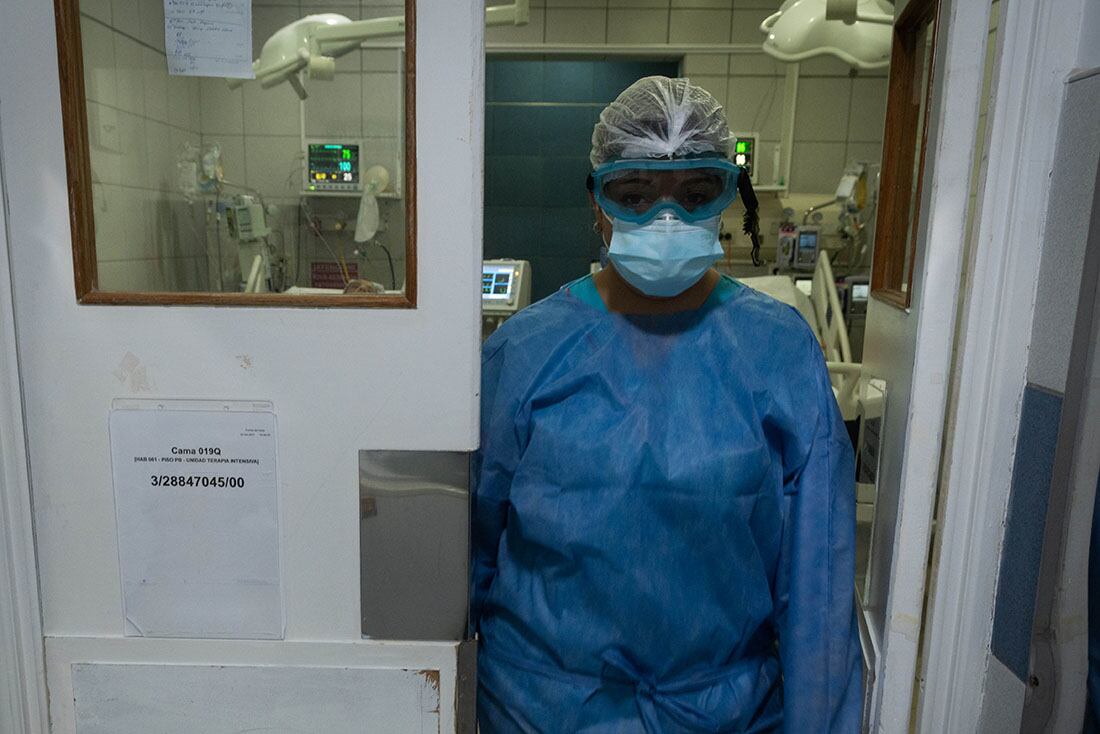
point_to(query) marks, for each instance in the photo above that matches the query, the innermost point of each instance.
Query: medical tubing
(343, 262)
(389, 257)
(199, 238)
(315, 228)
(298, 249)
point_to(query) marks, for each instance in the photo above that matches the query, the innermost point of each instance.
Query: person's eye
(633, 197)
(698, 197)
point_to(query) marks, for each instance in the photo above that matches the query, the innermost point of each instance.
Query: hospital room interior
(297, 188)
(338, 217)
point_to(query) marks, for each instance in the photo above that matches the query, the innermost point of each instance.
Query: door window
(190, 185)
(911, 71)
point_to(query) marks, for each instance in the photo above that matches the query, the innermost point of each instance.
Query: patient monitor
(798, 248)
(332, 166)
(806, 247)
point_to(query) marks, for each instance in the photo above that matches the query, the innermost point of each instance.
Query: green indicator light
(347, 154)
(741, 147)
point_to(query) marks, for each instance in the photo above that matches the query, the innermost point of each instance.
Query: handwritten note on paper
(209, 37)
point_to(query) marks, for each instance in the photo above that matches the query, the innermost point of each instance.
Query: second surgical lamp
(313, 43)
(856, 31)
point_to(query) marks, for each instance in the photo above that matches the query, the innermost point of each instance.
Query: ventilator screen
(496, 282)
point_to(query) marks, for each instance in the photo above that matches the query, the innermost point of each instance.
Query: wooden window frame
(895, 223)
(70, 62)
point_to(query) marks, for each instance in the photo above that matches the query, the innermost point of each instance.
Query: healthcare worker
(663, 515)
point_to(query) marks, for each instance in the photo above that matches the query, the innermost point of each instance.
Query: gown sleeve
(492, 468)
(815, 608)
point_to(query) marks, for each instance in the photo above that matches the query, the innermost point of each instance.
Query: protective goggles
(637, 190)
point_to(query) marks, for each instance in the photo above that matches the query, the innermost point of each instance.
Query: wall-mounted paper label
(198, 519)
(209, 37)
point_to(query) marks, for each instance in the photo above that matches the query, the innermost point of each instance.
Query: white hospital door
(257, 500)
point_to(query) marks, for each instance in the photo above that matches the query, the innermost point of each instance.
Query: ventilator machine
(505, 289)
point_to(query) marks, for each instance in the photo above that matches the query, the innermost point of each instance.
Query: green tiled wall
(538, 130)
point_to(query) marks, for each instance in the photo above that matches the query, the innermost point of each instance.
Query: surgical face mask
(666, 255)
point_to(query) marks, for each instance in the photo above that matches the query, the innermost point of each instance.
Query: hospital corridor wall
(839, 111)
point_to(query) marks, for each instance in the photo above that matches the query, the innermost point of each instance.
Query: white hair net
(658, 117)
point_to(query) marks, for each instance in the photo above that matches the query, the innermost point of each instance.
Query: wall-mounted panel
(227, 699)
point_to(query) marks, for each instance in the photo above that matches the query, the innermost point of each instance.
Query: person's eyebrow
(706, 177)
(630, 180)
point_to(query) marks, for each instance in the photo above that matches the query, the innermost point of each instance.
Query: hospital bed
(857, 398)
(823, 312)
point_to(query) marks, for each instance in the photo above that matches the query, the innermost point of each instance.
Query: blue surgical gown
(663, 523)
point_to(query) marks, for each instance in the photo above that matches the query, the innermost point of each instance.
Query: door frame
(23, 679)
(950, 145)
(992, 355)
(1061, 597)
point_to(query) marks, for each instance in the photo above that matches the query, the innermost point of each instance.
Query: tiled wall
(147, 236)
(840, 113)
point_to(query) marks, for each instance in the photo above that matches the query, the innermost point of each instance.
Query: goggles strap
(750, 223)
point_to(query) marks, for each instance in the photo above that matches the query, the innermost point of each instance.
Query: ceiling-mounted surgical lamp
(856, 31)
(313, 43)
